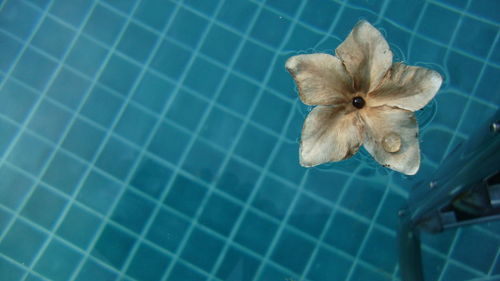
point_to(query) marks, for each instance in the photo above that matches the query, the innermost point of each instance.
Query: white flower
(362, 97)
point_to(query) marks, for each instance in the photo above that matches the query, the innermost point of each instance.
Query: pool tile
(187, 28)
(302, 250)
(206, 7)
(49, 120)
(14, 186)
(381, 250)
(289, 8)
(203, 161)
(30, 153)
(73, 172)
(151, 177)
(238, 179)
(309, 215)
(487, 90)
(86, 56)
(32, 240)
(154, 13)
(328, 265)
(34, 69)
(92, 270)
(133, 211)
(124, 6)
(326, 183)
(120, 75)
(348, 19)
(117, 158)
(238, 15)
(180, 114)
(168, 222)
(270, 36)
(369, 193)
(475, 37)
(486, 9)
(202, 249)
(435, 143)
(388, 215)
(272, 112)
(346, 233)
(148, 258)
(221, 127)
(171, 59)
(404, 13)
(101, 106)
(286, 163)
(237, 94)
(68, 88)
(220, 43)
(8, 132)
(273, 198)
(454, 272)
(72, 13)
(182, 272)
(99, 192)
(137, 42)
(135, 125)
(256, 232)
(302, 38)
(79, 227)
(220, 214)
(474, 248)
(185, 195)
(83, 139)
(362, 273)
(10, 50)
(246, 265)
(259, 64)
(44, 207)
(272, 273)
(18, 18)
(255, 145)
(169, 143)
(439, 22)
(153, 92)
(24, 99)
(53, 38)
(100, 17)
(204, 77)
(319, 15)
(58, 261)
(10, 271)
(113, 246)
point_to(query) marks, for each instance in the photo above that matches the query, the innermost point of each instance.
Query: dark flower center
(358, 102)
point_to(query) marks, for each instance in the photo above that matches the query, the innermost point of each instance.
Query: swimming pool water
(158, 140)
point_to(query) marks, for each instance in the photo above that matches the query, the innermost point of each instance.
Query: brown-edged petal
(407, 87)
(329, 134)
(383, 126)
(320, 78)
(366, 56)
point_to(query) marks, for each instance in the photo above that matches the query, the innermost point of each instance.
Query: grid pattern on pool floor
(157, 140)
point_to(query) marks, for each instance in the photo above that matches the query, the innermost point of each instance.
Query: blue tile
(238, 263)
(281, 81)
(182, 272)
(486, 90)
(137, 42)
(457, 273)
(460, 4)
(404, 13)
(53, 38)
(220, 44)
(273, 198)
(486, 9)
(8, 132)
(301, 39)
(113, 246)
(91, 270)
(150, 259)
(203, 161)
(237, 14)
(238, 179)
(22, 97)
(72, 13)
(388, 215)
(272, 112)
(167, 222)
(153, 92)
(206, 7)
(426, 51)
(83, 139)
(49, 121)
(237, 94)
(132, 211)
(328, 265)
(302, 250)
(204, 77)
(289, 7)
(202, 249)
(14, 186)
(255, 145)
(169, 143)
(5, 218)
(362, 273)
(434, 144)
(58, 261)
(73, 172)
(270, 36)
(346, 233)
(79, 227)
(44, 207)
(40, 3)
(100, 17)
(151, 177)
(477, 113)
(438, 22)
(185, 195)
(32, 240)
(475, 37)
(254, 61)
(68, 88)
(154, 13)
(10, 50)
(256, 232)
(319, 14)
(286, 163)
(273, 273)
(448, 116)
(187, 28)
(221, 128)
(101, 106)
(124, 6)
(135, 125)
(10, 271)
(326, 184)
(369, 193)
(30, 153)
(474, 248)
(34, 69)
(18, 18)
(372, 6)
(86, 56)
(399, 40)
(117, 158)
(171, 59)
(120, 75)
(348, 19)
(220, 214)
(99, 192)
(381, 250)
(432, 264)
(310, 215)
(187, 118)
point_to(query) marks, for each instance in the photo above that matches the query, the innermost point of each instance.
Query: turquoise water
(158, 140)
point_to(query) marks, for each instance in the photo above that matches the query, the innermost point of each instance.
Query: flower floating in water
(362, 97)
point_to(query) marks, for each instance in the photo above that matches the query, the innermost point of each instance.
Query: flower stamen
(358, 102)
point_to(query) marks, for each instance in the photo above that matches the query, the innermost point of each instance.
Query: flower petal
(366, 56)
(382, 122)
(321, 79)
(407, 87)
(329, 134)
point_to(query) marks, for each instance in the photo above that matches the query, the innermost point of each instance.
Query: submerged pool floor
(158, 140)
